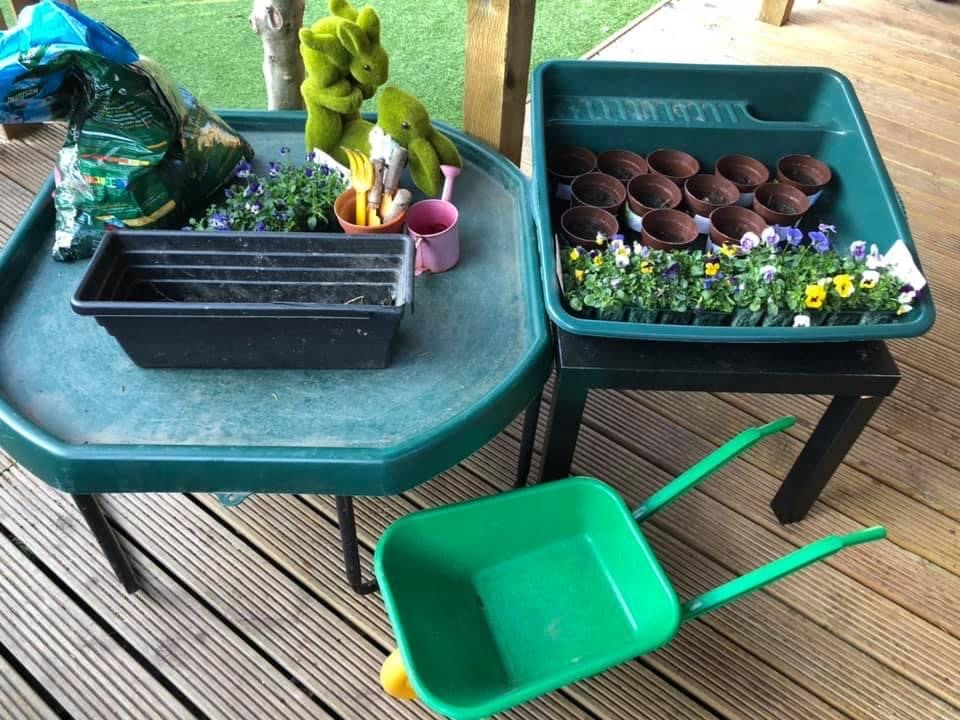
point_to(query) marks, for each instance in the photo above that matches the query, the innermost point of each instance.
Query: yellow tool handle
(361, 208)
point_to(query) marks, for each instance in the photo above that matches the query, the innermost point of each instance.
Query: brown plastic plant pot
(622, 164)
(674, 164)
(729, 224)
(646, 193)
(804, 172)
(668, 230)
(745, 172)
(580, 225)
(706, 193)
(345, 208)
(566, 162)
(780, 204)
(598, 190)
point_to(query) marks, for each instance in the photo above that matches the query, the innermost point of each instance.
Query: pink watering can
(433, 226)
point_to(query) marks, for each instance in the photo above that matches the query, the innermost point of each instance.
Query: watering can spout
(450, 173)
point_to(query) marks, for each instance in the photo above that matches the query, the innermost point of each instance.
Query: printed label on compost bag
(563, 191)
(139, 151)
(633, 220)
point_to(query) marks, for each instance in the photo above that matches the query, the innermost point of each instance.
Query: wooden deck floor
(245, 613)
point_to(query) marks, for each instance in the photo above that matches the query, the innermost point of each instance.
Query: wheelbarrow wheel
(394, 678)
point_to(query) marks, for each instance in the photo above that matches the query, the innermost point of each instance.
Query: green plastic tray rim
(924, 314)
(347, 471)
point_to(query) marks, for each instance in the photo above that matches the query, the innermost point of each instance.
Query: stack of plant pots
(664, 200)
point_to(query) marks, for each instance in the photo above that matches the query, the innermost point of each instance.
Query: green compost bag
(140, 151)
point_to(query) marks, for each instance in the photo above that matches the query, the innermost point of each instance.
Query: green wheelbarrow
(496, 601)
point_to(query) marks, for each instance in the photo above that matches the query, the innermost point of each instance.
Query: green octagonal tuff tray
(711, 111)
(77, 411)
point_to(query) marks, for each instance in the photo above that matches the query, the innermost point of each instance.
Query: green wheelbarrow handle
(771, 572)
(692, 477)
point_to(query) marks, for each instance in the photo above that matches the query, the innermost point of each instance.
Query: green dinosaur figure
(345, 65)
(405, 119)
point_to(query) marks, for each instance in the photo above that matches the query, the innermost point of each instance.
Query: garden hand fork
(361, 180)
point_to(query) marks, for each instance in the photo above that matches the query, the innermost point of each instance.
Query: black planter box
(250, 300)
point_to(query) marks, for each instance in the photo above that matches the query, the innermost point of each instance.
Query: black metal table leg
(838, 429)
(530, 419)
(90, 508)
(351, 547)
(563, 427)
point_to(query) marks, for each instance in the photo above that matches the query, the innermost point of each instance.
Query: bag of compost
(140, 151)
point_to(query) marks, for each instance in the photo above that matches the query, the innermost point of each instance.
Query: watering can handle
(771, 572)
(693, 476)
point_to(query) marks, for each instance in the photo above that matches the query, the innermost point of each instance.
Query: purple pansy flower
(791, 234)
(273, 168)
(827, 228)
(228, 193)
(324, 169)
(819, 241)
(260, 226)
(254, 207)
(771, 236)
(219, 221)
(284, 150)
(749, 241)
(858, 250)
(671, 272)
(768, 273)
(308, 171)
(243, 169)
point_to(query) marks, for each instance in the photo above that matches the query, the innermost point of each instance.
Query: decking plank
(18, 700)
(213, 667)
(82, 668)
(287, 623)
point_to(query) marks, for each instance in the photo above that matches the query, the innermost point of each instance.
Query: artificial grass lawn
(209, 47)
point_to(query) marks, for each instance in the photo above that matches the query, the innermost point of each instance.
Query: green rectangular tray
(710, 111)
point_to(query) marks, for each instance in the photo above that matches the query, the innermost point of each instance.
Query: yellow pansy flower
(711, 269)
(598, 260)
(815, 295)
(646, 267)
(904, 309)
(729, 250)
(578, 274)
(574, 254)
(843, 284)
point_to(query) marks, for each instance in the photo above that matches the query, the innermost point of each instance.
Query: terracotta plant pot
(804, 172)
(622, 164)
(345, 208)
(780, 204)
(564, 163)
(579, 225)
(674, 164)
(745, 172)
(729, 224)
(598, 190)
(706, 193)
(646, 193)
(669, 230)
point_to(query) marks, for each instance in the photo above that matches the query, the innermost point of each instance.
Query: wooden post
(775, 12)
(19, 5)
(499, 36)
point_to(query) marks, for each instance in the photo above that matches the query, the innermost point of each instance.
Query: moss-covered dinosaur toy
(345, 65)
(405, 119)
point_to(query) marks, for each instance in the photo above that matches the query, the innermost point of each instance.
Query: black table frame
(856, 375)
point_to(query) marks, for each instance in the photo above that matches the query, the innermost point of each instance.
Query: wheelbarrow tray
(502, 599)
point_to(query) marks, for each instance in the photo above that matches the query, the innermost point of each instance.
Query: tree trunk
(278, 23)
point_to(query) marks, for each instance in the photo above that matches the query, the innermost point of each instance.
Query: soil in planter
(799, 176)
(621, 172)
(596, 197)
(570, 166)
(653, 201)
(738, 178)
(782, 206)
(714, 198)
(586, 230)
